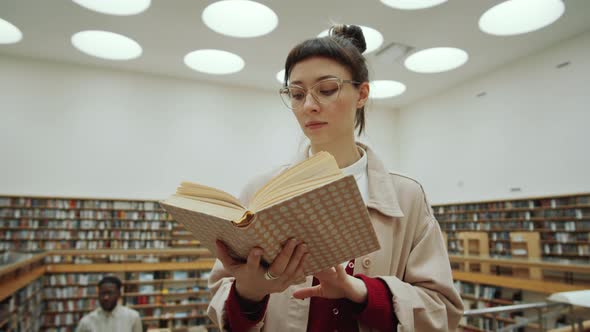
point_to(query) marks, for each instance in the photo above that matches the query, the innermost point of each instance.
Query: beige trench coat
(412, 261)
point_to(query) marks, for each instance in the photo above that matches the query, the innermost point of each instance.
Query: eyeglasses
(324, 92)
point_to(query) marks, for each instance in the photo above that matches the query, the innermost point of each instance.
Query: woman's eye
(328, 92)
(297, 95)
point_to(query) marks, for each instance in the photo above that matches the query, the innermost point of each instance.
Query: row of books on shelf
(69, 292)
(119, 258)
(158, 300)
(26, 245)
(82, 235)
(16, 309)
(67, 279)
(482, 323)
(478, 291)
(516, 204)
(91, 279)
(567, 249)
(130, 278)
(503, 248)
(566, 237)
(525, 215)
(546, 236)
(87, 224)
(152, 295)
(571, 226)
(82, 214)
(78, 203)
(72, 318)
(192, 317)
(165, 314)
(167, 275)
(86, 304)
(89, 304)
(494, 236)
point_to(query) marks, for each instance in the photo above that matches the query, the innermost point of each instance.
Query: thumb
(303, 293)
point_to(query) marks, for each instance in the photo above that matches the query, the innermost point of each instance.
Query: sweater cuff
(378, 310)
(243, 314)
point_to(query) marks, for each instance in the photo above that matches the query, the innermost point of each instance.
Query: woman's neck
(345, 153)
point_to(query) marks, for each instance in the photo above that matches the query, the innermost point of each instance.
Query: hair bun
(353, 33)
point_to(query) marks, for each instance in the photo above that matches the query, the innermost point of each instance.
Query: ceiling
(170, 29)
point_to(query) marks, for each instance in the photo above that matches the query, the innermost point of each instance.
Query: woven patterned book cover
(332, 220)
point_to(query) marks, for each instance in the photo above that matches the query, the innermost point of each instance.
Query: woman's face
(325, 123)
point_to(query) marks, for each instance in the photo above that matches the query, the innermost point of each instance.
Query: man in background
(110, 316)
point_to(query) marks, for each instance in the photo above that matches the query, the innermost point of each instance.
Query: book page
(208, 194)
(213, 209)
(307, 175)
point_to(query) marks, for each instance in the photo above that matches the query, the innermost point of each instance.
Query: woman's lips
(315, 124)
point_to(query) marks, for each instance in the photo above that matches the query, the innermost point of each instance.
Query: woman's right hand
(251, 283)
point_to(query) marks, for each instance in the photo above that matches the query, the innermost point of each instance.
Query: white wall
(68, 130)
(531, 130)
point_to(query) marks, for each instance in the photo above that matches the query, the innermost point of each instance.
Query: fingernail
(258, 253)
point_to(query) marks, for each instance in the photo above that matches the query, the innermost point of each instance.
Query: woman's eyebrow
(317, 79)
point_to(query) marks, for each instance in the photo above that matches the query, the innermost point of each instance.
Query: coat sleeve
(425, 299)
(220, 281)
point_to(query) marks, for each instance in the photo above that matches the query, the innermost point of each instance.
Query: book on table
(312, 202)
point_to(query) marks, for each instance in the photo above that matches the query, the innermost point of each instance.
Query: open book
(311, 201)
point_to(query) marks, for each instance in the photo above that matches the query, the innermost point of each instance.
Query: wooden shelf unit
(526, 245)
(37, 295)
(33, 223)
(563, 222)
(474, 243)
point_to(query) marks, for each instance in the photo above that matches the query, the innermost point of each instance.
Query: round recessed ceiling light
(386, 89)
(240, 18)
(373, 38)
(281, 76)
(9, 33)
(412, 4)
(106, 45)
(436, 60)
(214, 62)
(516, 17)
(115, 7)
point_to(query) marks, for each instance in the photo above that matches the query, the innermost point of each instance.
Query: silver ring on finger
(269, 276)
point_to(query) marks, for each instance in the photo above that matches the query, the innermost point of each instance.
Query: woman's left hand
(335, 283)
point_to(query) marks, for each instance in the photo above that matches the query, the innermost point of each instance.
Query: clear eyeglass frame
(286, 92)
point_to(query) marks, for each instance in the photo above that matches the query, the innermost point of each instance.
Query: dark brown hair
(344, 44)
(111, 280)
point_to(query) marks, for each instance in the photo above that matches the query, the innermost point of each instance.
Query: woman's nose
(310, 104)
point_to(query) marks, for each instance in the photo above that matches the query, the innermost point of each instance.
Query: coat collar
(382, 194)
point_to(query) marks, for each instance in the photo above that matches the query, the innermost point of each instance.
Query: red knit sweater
(324, 314)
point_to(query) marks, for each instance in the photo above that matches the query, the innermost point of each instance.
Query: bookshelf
(477, 296)
(174, 297)
(30, 224)
(562, 222)
(76, 241)
(169, 288)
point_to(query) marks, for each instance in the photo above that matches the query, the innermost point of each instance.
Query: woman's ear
(363, 94)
